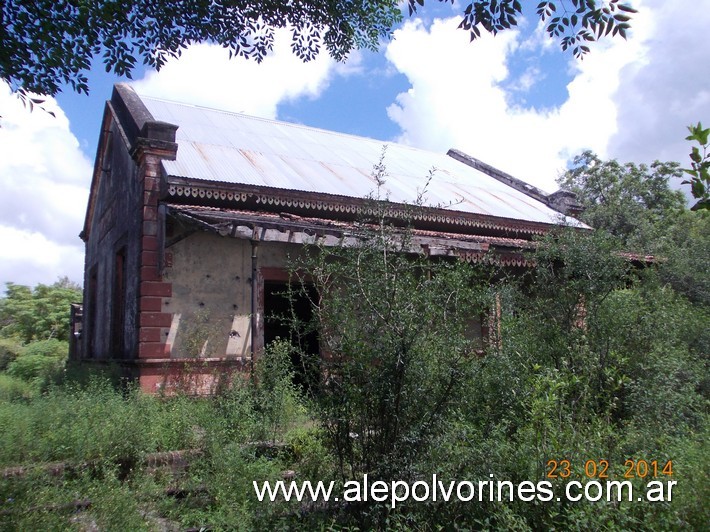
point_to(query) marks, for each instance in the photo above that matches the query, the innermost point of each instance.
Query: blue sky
(514, 101)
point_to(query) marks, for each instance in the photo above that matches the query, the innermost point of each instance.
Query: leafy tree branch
(699, 170)
(45, 44)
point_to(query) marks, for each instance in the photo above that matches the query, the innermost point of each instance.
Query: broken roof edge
(221, 194)
(272, 227)
(562, 201)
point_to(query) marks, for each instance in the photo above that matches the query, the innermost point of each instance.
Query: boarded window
(93, 311)
(118, 310)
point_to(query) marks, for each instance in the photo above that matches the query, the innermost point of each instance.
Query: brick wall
(154, 319)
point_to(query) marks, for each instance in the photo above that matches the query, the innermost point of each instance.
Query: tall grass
(102, 434)
(97, 422)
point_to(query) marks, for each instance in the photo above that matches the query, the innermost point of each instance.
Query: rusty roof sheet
(228, 147)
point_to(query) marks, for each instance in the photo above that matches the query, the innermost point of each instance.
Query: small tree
(624, 199)
(395, 332)
(275, 397)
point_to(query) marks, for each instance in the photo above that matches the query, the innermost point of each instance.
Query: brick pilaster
(155, 144)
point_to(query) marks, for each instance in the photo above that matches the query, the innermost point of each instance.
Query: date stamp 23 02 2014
(600, 469)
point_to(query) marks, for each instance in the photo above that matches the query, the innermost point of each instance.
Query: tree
(39, 313)
(626, 200)
(685, 248)
(47, 43)
(397, 333)
(574, 22)
(635, 204)
(699, 170)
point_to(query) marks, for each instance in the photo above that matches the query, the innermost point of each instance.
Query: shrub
(48, 348)
(12, 388)
(37, 369)
(9, 351)
(274, 395)
(400, 350)
(40, 362)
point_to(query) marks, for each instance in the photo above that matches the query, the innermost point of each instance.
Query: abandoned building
(193, 213)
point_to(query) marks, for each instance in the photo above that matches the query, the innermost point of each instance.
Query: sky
(514, 101)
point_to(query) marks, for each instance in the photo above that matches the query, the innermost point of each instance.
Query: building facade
(194, 214)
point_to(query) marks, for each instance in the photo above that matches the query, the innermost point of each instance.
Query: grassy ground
(79, 457)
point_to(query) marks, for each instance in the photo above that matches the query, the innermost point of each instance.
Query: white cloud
(458, 99)
(670, 88)
(205, 75)
(29, 258)
(527, 79)
(44, 178)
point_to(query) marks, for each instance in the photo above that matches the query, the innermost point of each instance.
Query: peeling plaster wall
(211, 293)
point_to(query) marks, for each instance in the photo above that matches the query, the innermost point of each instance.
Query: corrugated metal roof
(230, 147)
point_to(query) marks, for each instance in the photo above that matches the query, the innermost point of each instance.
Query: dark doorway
(289, 316)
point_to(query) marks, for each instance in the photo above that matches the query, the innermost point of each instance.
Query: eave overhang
(288, 228)
(180, 190)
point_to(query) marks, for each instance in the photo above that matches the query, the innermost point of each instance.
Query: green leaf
(627, 8)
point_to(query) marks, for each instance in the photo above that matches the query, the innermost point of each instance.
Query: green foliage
(684, 248)
(41, 503)
(98, 422)
(47, 348)
(575, 26)
(620, 373)
(40, 363)
(37, 369)
(274, 396)
(312, 457)
(14, 389)
(38, 313)
(635, 204)
(102, 435)
(229, 472)
(9, 351)
(699, 170)
(626, 200)
(394, 329)
(46, 44)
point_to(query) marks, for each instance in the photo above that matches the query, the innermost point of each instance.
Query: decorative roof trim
(338, 207)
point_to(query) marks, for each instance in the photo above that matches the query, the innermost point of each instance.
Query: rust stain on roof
(199, 149)
(252, 158)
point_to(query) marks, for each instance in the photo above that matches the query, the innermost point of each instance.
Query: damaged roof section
(293, 229)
